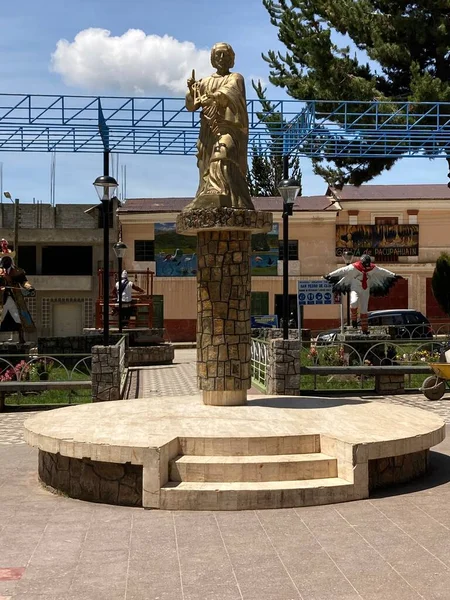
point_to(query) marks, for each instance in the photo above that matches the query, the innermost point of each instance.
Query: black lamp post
(347, 255)
(106, 187)
(289, 190)
(119, 249)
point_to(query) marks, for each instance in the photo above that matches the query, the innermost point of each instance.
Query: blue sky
(31, 31)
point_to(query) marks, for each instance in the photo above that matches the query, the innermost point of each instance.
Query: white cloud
(133, 63)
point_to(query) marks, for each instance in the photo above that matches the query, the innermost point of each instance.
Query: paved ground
(393, 546)
(178, 379)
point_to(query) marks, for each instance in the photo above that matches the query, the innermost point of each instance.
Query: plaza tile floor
(393, 546)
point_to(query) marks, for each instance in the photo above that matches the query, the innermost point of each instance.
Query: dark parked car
(407, 324)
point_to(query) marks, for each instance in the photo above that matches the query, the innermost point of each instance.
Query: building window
(66, 260)
(27, 259)
(260, 303)
(386, 220)
(292, 250)
(144, 250)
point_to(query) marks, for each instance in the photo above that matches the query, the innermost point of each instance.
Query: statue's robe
(222, 143)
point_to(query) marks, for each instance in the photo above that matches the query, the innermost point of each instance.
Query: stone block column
(283, 368)
(223, 298)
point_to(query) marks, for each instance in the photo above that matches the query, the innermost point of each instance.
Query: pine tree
(266, 170)
(440, 282)
(408, 40)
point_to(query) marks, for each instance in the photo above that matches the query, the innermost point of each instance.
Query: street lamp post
(289, 190)
(119, 249)
(16, 225)
(347, 255)
(106, 187)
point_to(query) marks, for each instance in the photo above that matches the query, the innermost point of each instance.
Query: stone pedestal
(283, 368)
(223, 298)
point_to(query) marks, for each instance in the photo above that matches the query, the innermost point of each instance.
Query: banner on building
(378, 240)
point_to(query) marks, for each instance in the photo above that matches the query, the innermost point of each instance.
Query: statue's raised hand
(191, 80)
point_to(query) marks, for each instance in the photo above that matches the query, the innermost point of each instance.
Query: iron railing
(259, 362)
(369, 353)
(26, 370)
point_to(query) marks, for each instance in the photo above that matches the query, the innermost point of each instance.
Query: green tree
(408, 40)
(266, 169)
(440, 282)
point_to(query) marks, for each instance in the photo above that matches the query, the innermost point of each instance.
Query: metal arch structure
(129, 125)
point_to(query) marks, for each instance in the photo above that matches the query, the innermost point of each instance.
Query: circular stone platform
(177, 453)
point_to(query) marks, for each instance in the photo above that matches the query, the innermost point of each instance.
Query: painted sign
(315, 292)
(378, 240)
(259, 321)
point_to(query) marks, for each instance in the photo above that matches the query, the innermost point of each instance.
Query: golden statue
(223, 138)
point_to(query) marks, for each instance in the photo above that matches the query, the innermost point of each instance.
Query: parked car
(407, 324)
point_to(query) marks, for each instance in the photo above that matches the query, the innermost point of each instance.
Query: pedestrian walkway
(394, 545)
(178, 379)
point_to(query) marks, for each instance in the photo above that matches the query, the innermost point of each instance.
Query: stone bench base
(389, 384)
(150, 355)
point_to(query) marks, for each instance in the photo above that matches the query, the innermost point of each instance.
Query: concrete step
(250, 446)
(254, 495)
(279, 467)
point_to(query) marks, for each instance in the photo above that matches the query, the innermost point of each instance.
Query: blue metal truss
(327, 129)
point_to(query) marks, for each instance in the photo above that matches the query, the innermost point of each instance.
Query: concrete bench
(388, 379)
(11, 387)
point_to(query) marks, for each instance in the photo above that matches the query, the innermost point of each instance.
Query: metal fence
(259, 363)
(405, 352)
(41, 368)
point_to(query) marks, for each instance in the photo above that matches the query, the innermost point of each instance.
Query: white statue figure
(362, 279)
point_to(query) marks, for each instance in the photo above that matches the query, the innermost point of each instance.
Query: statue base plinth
(191, 222)
(223, 298)
(233, 398)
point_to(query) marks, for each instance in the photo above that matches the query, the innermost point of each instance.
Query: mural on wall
(175, 255)
(378, 240)
(264, 259)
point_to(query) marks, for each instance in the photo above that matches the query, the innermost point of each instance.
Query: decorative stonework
(283, 369)
(162, 354)
(397, 469)
(389, 384)
(204, 219)
(109, 364)
(94, 481)
(223, 298)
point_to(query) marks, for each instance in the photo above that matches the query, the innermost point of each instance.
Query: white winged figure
(362, 279)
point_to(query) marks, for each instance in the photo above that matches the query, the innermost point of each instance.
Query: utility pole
(16, 224)
(16, 230)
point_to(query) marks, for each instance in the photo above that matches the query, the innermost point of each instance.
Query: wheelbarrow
(434, 386)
